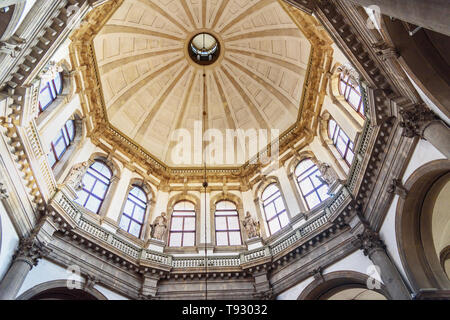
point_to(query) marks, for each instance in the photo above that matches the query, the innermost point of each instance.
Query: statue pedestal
(156, 245)
(254, 243)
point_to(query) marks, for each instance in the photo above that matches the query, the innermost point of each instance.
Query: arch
(55, 288)
(333, 282)
(80, 134)
(170, 208)
(413, 229)
(63, 98)
(112, 164)
(96, 185)
(343, 144)
(150, 204)
(314, 190)
(226, 196)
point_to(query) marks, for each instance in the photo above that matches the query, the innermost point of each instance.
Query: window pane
(312, 200)
(221, 239)
(284, 219)
(93, 204)
(71, 129)
(58, 83)
(306, 186)
(189, 239)
(279, 204)
(189, 224)
(175, 240)
(51, 158)
(323, 193)
(274, 226)
(100, 189)
(184, 205)
(221, 223)
(82, 196)
(45, 99)
(124, 223)
(88, 181)
(139, 214)
(270, 211)
(128, 209)
(135, 229)
(270, 190)
(235, 238)
(233, 223)
(316, 181)
(177, 224)
(60, 148)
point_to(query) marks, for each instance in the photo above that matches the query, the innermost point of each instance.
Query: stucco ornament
(159, 227)
(51, 71)
(75, 177)
(251, 226)
(328, 174)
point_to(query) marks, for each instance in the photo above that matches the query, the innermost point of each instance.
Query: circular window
(204, 49)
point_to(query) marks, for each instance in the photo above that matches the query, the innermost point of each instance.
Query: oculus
(204, 49)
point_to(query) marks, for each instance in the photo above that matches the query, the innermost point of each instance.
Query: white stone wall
(9, 241)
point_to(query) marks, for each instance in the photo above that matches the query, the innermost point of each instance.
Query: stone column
(422, 122)
(373, 247)
(25, 258)
(430, 14)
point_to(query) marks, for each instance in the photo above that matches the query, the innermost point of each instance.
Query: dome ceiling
(152, 87)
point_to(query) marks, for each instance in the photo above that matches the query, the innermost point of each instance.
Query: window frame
(272, 202)
(299, 179)
(53, 97)
(136, 203)
(227, 230)
(182, 231)
(67, 144)
(344, 81)
(89, 192)
(339, 133)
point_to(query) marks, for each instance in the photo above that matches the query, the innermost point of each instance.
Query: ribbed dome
(152, 86)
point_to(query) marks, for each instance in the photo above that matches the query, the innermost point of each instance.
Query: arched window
(182, 226)
(312, 186)
(95, 184)
(49, 91)
(274, 209)
(134, 212)
(228, 230)
(62, 141)
(341, 141)
(352, 93)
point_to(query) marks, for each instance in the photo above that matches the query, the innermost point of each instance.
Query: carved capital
(369, 241)
(415, 120)
(397, 187)
(30, 251)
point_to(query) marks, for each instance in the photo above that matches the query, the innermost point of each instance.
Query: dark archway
(413, 224)
(335, 282)
(58, 290)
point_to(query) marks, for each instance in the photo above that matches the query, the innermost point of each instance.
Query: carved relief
(329, 176)
(251, 226)
(159, 227)
(30, 251)
(75, 177)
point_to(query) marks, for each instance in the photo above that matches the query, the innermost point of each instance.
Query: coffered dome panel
(152, 87)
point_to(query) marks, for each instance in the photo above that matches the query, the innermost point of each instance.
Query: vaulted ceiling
(151, 87)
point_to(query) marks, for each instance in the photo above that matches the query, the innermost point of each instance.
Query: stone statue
(159, 227)
(75, 177)
(251, 226)
(328, 174)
